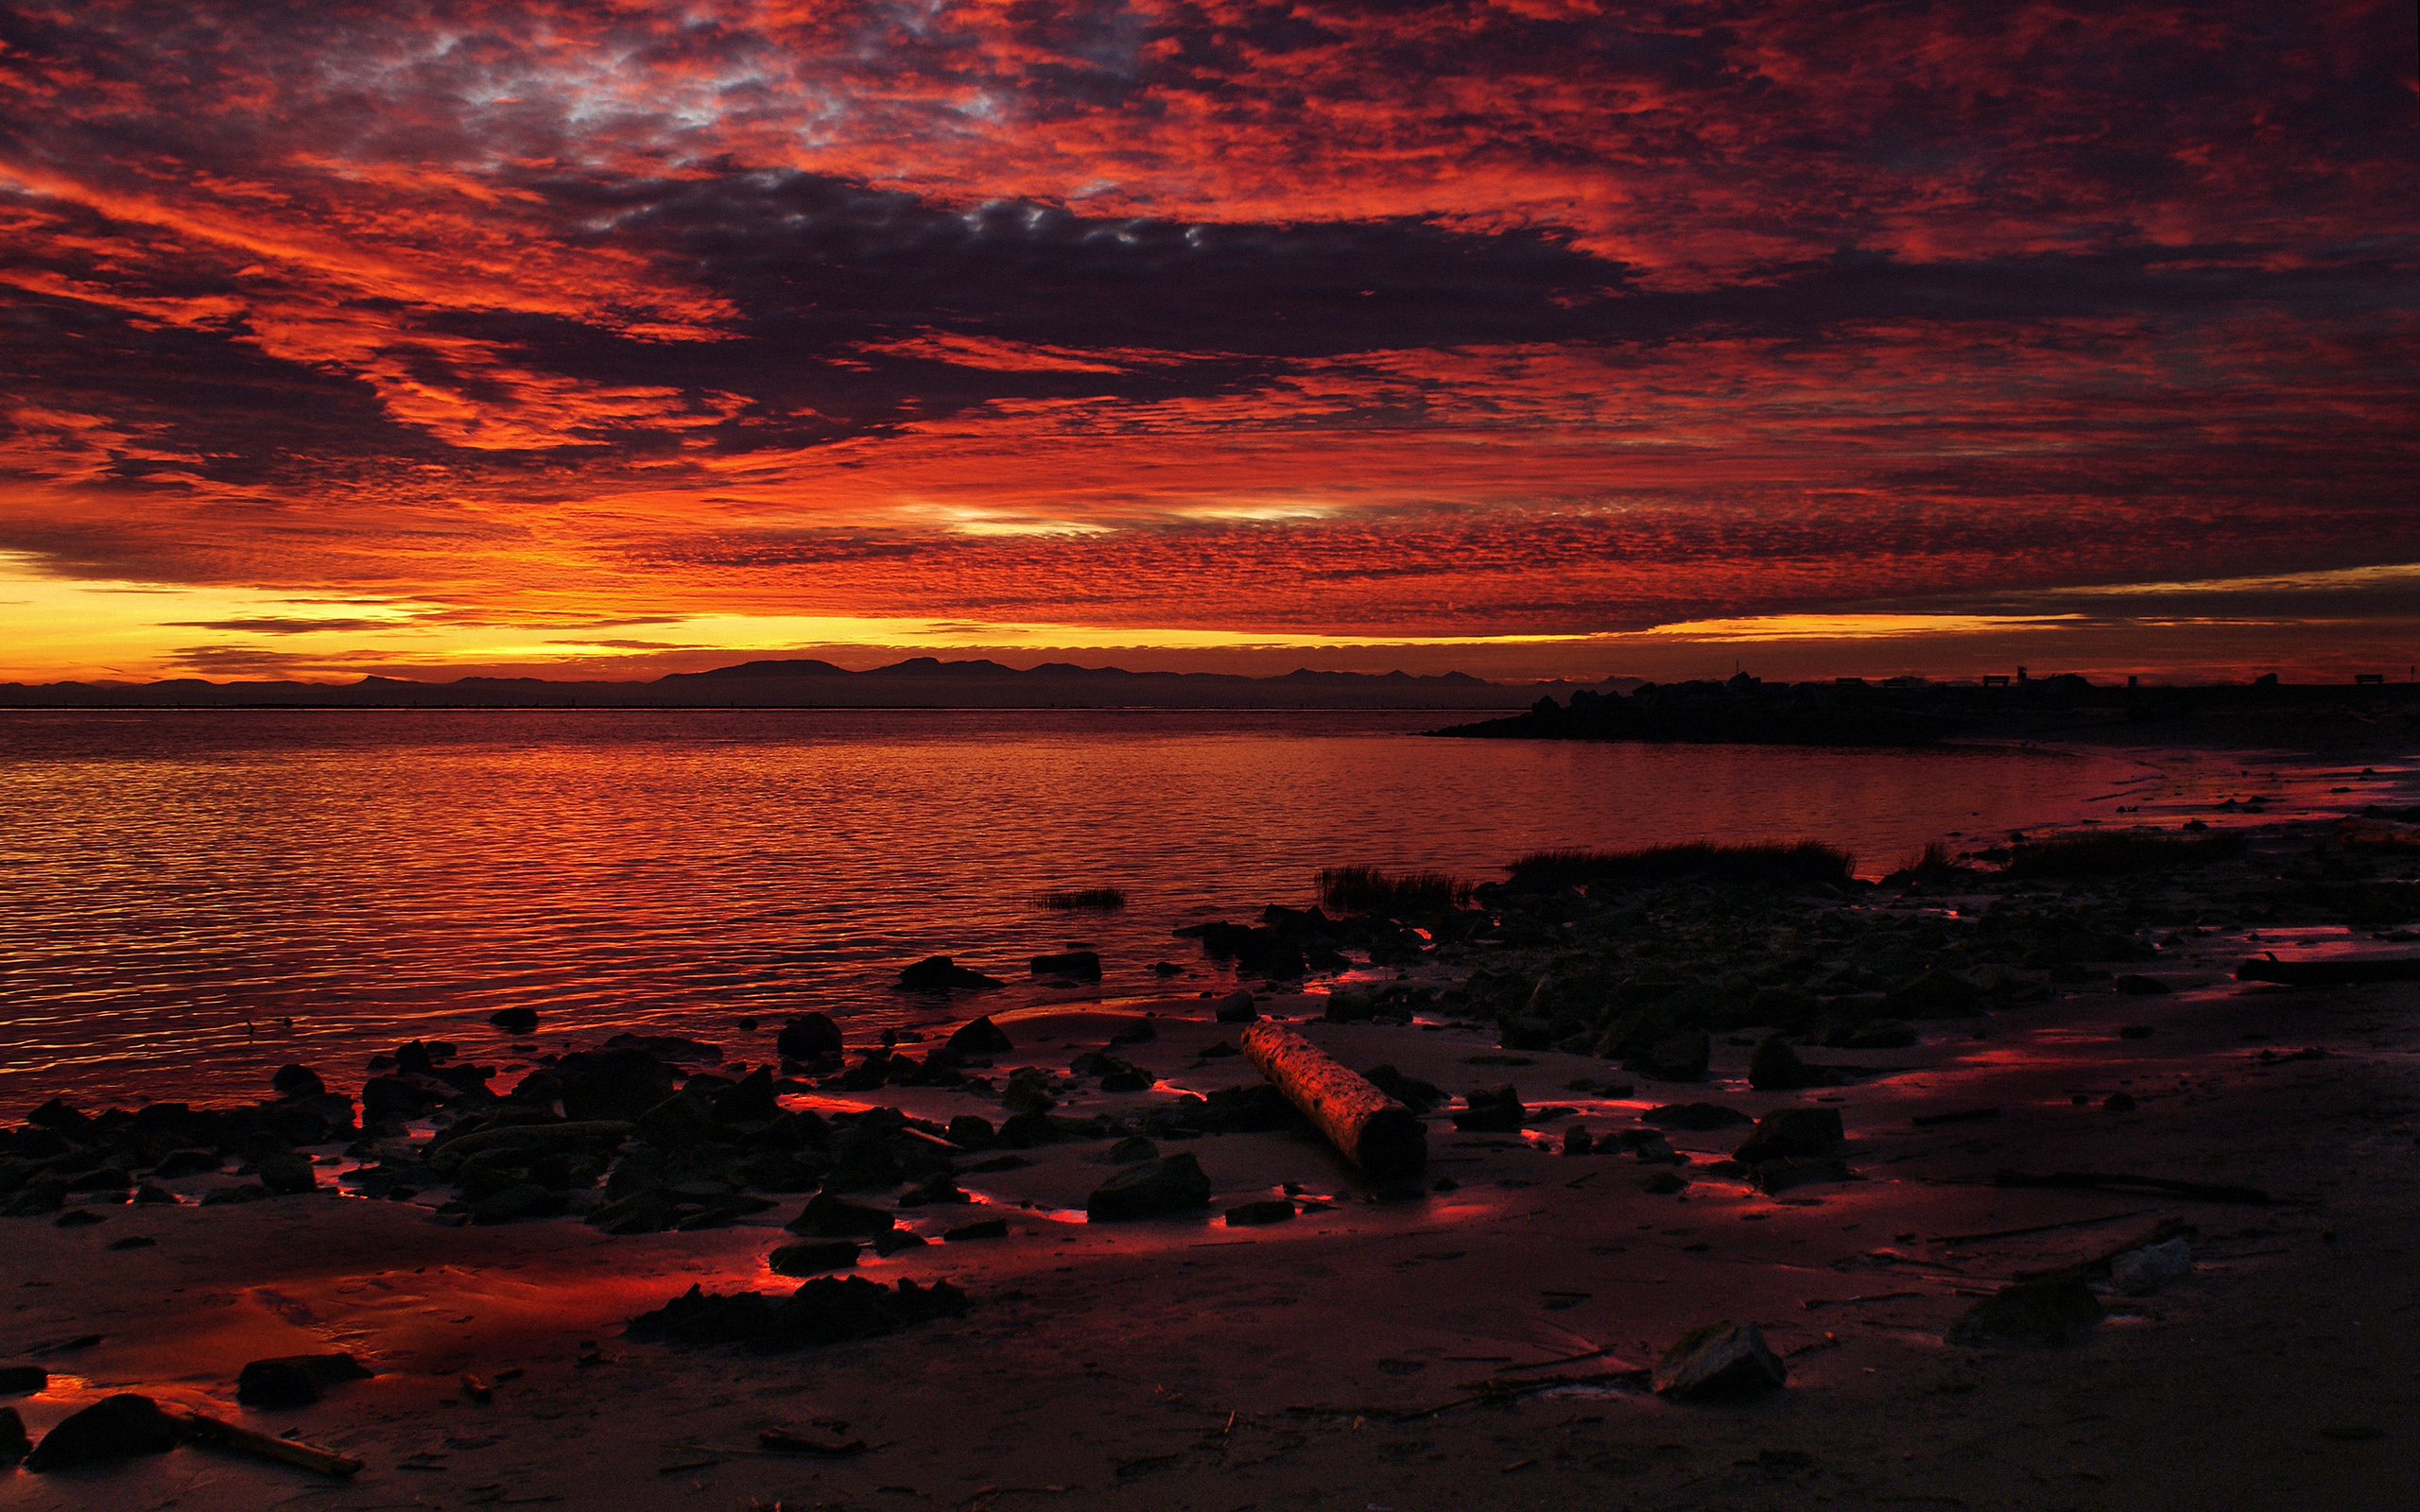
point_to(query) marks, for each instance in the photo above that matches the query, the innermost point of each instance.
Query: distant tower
(2020, 674)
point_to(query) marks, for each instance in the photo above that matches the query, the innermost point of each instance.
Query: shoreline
(1311, 1362)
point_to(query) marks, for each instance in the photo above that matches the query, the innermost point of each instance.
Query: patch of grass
(1369, 890)
(1085, 898)
(2119, 854)
(1802, 861)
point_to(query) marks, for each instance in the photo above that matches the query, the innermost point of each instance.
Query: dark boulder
(1719, 1362)
(610, 1084)
(287, 1175)
(807, 1037)
(979, 1039)
(1498, 1111)
(938, 974)
(1414, 1093)
(1153, 1188)
(1792, 1132)
(1135, 1032)
(248, 1191)
(827, 1216)
(1774, 1067)
(1237, 1007)
(813, 1258)
(116, 1427)
(186, 1162)
(1083, 965)
(827, 1309)
(1272, 1209)
(15, 1379)
(295, 1379)
(968, 1132)
(297, 1081)
(750, 1100)
(515, 1021)
(1682, 1057)
(14, 1445)
(2049, 1312)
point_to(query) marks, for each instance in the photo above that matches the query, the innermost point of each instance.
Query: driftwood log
(1373, 1130)
(200, 1428)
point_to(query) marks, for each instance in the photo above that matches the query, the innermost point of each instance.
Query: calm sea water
(176, 885)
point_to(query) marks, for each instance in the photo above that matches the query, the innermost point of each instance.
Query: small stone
(1498, 1111)
(1577, 1141)
(297, 1081)
(248, 1191)
(807, 1037)
(1083, 965)
(827, 1216)
(1130, 1151)
(1664, 1183)
(1135, 1032)
(1273, 1210)
(1235, 1008)
(1696, 1117)
(515, 1019)
(891, 1241)
(2141, 1272)
(1719, 1361)
(1792, 1131)
(148, 1195)
(116, 1427)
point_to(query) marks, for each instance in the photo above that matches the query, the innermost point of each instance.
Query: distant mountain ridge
(925, 682)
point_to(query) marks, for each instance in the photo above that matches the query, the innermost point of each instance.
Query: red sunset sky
(621, 338)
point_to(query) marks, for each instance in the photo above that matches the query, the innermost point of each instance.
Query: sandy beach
(1478, 1339)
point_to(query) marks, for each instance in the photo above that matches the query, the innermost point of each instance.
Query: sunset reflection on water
(177, 885)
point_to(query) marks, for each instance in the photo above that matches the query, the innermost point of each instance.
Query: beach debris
(295, 1379)
(117, 1427)
(1373, 1130)
(2141, 1272)
(200, 1428)
(827, 1309)
(14, 1445)
(1237, 1007)
(2095, 1181)
(2338, 972)
(1084, 965)
(938, 974)
(1791, 1133)
(1717, 1362)
(1695, 1117)
(1152, 1189)
(16, 1378)
(813, 1257)
(2049, 1312)
(1491, 1113)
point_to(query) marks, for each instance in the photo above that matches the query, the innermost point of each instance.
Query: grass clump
(1070, 899)
(2119, 854)
(1802, 862)
(1369, 890)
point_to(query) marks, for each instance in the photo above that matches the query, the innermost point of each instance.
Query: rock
(1498, 1111)
(1274, 1210)
(813, 1257)
(1777, 1175)
(750, 1100)
(77, 1218)
(148, 1195)
(2134, 984)
(609, 1084)
(1135, 1032)
(1879, 1034)
(287, 1175)
(1652, 1149)
(297, 1081)
(14, 1445)
(515, 1021)
(827, 1309)
(979, 1038)
(892, 1240)
(186, 1162)
(2141, 1272)
(938, 974)
(1028, 1091)
(969, 1132)
(1676, 1058)
(1719, 1362)
(524, 1199)
(1221, 1051)
(16, 1378)
(1664, 1183)
(1792, 1131)
(827, 1216)
(941, 1186)
(2053, 1311)
(1152, 1189)
(1132, 1150)
(133, 1241)
(1577, 1141)
(1775, 1068)
(2119, 1102)
(807, 1037)
(248, 1191)
(1167, 968)
(116, 1427)
(983, 1228)
(1933, 993)
(667, 1046)
(295, 1379)
(1696, 1117)
(1237, 1007)
(1083, 965)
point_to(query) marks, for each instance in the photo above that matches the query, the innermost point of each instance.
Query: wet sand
(1366, 1355)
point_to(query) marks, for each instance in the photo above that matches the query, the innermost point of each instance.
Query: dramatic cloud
(473, 327)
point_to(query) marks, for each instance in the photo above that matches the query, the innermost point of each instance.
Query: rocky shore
(1992, 1185)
